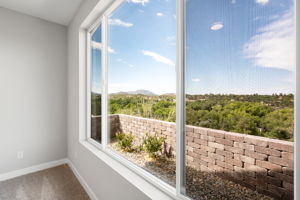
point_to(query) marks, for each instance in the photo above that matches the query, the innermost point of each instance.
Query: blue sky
(232, 46)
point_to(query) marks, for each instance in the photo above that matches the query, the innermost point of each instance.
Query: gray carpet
(58, 183)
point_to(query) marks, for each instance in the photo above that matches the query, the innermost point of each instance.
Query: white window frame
(179, 192)
(90, 32)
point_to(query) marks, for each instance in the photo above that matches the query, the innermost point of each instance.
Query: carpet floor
(58, 183)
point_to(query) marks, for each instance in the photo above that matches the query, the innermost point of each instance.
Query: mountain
(140, 92)
(168, 95)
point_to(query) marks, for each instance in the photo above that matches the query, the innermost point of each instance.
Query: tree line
(262, 115)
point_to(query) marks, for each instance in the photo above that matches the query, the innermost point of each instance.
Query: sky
(232, 46)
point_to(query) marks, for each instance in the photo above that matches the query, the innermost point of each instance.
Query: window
(95, 82)
(142, 85)
(197, 93)
(240, 91)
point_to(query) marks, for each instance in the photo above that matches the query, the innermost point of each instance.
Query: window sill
(141, 179)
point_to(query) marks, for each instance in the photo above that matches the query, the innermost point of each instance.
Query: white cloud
(125, 62)
(263, 2)
(158, 57)
(96, 45)
(159, 14)
(233, 1)
(256, 18)
(118, 22)
(274, 45)
(216, 26)
(196, 80)
(171, 38)
(289, 79)
(110, 50)
(122, 61)
(143, 2)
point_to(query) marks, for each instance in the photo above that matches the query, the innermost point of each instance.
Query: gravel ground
(200, 185)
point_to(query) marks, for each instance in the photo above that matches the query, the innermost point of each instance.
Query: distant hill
(137, 92)
(168, 95)
(95, 94)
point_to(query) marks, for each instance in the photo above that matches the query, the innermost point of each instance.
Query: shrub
(279, 124)
(153, 144)
(125, 141)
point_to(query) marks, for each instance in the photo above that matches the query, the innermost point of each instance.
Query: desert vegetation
(262, 115)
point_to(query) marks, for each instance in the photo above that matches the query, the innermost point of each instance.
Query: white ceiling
(58, 11)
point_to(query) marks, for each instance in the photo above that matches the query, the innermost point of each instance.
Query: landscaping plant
(125, 141)
(153, 144)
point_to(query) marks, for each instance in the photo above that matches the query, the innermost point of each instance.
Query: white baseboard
(28, 170)
(84, 184)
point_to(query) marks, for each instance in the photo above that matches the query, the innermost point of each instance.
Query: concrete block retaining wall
(263, 164)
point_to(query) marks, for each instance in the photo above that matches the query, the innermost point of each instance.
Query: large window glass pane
(240, 90)
(96, 84)
(142, 85)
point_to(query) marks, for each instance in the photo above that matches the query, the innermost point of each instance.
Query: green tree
(279, 124)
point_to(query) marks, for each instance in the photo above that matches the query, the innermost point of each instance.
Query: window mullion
(105, 122)
(180, 101)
